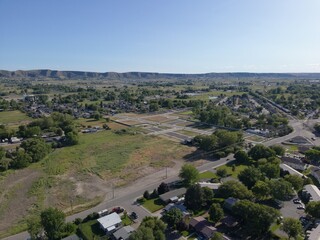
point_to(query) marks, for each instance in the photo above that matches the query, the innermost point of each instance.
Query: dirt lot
(15, 201)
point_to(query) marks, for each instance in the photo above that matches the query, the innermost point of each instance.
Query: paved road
(126, 196)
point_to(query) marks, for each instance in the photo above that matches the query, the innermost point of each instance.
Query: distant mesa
(43, 74)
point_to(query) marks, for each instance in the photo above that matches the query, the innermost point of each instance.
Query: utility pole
(166, 172)
(112, 190)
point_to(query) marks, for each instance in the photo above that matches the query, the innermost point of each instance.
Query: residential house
(229, 221)
(229, 203)
(311, 192)
(123, 233)
(315, 172)
(181, 207)
(173, 196)
(303, 149)
(72, 237)
(295, 163)
(110, 223)
(314, 234)
(212, 186)
(202, 227)
(291, 170)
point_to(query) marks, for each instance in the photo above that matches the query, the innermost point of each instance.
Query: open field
(13, 117)
(79, 177)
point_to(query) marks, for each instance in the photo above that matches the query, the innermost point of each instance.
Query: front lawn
(126, 220)
(207, 175)
(91, 230)
(153, 205)
(233, 172)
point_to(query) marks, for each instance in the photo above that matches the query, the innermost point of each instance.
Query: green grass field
(13, 117)
(91, 230)
(97, 152)
(207, 175)
(153, 205)
(105, 153)
(237, 170)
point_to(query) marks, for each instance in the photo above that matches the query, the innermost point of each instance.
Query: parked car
(302, 207)
(297, 201)
(134, 215)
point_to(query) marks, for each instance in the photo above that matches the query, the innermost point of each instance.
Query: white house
(312, 192)
(110, 223)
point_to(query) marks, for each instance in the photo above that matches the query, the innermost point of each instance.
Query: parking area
(290, 209)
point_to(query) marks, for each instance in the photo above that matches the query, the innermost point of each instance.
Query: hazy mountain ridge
(69, 75)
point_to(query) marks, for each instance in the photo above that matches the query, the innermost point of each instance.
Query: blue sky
(180, 36)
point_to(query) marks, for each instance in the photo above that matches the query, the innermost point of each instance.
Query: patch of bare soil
(76, 189)
(14, 200)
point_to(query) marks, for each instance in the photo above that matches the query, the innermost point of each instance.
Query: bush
(77, 221)
(146, 194)
(220, 154)
(91, 216)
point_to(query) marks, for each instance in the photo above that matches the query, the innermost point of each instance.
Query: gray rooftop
(174, 193)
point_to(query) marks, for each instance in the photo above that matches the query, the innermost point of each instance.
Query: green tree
(233, 189)
(173, 217)
(207, 195)
(295, 180)
(241, 156)
(151, 228)
(217, 236)
(215, 213)
(2, 152)
(222, 172)
(313, 209)
(36, 148)
(189, 174)
(270, 170)
(249, 176)
(292, 227)
(260, 151)
(21, 159)
(193, 199)
(257, 218)
(72, 138)
(261, 190)
(163, 188)
(53, 221)
(280, 189)
(154, 106)
(34, 227)
(279, 150)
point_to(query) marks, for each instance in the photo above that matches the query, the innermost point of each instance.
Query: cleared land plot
(155, 129)
(13, 117)
(255, 138)
(157, 118)
(177, 135)
(83, 173)
(175, 122)
(184, 124)
(128, 122)
(187, 133)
